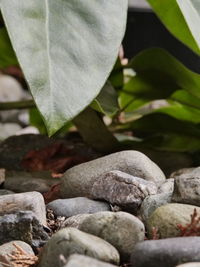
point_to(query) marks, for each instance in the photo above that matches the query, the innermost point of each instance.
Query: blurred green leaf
(107, 101)
(7, 54)
(170, 14)
(162, 132)
(186, 98)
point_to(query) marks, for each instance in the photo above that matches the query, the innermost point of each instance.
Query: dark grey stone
(23, 226)
(166, 252)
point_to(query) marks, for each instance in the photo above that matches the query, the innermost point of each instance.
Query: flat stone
(32, 201)
(122, 189)
(79, 180)
(9, 248)
(69, 241)
(167, 187)
(120, 229)
(187, 190)
(5, 192)
(151, 203)
(80, 205)
(76, 260)
(22, 226)
(167, 217)
(166, 252)
(19, 181)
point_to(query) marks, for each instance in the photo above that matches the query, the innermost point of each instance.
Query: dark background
(144, 30)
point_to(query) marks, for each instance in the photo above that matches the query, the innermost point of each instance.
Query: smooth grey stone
(167, 217)
(120, 229)
(69, 241)
(5, 192)
(151, 203)
(79, 180)
(167, 187)
(23, 226)
(166, 252)
(76, 260)
(9, 248)
(122, 189)
(32, 201)
(74, 206)
(19, 181)
(187, 190)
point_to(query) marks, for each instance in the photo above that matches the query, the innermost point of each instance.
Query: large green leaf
(191, 13)
(66, 49)
(158, 76)
(170, 14)
(163, 74)
(7, 55)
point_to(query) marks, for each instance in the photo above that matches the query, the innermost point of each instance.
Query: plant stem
(94, 132)
(26, 104)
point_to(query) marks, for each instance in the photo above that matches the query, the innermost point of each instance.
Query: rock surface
(151, 203)
(187, 190)
(32, 201)
(5, 192)
(74, 206)
(122, 189)
(166, 252)
(2, 176)
(167, 187)
(9, 248)
(22, 226)
(69, 241)
(76, 260)
(75, 220)
(18, 181)
(167, 217)
(78, 180)
(120, 229)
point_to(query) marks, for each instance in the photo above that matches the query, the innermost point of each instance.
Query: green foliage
(7, 55)
(66, 50)
(170, 14)
(72, 46)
